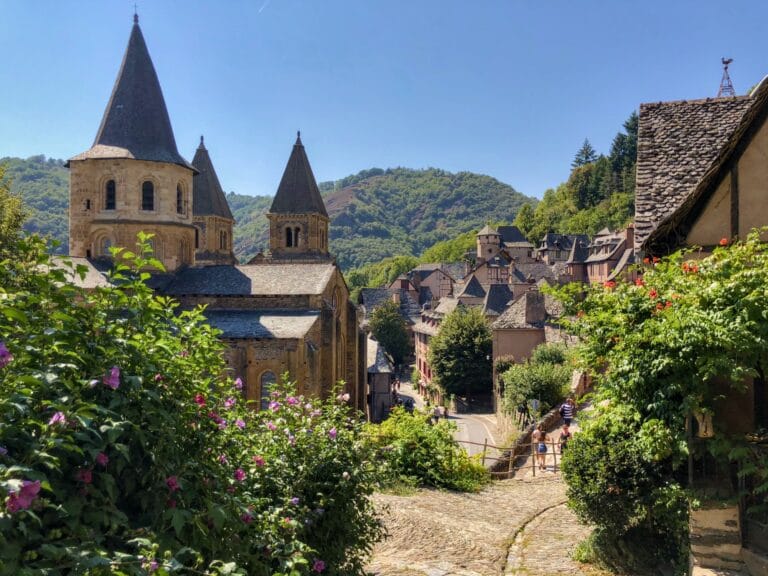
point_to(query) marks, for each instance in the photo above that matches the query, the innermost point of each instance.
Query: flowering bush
(124, 450)
(415, 451)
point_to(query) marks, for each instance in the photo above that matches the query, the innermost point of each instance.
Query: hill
(374, 214)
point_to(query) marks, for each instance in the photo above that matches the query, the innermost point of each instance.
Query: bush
(416, 452)
(546, 382)
(124, 450)
(549, 354)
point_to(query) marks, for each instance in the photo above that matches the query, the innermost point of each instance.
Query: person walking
(567, 410)
(540, 438)
(565, 437)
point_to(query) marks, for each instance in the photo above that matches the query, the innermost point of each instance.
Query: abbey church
(288, 310)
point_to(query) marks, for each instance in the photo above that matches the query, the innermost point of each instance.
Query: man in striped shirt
(567, 410)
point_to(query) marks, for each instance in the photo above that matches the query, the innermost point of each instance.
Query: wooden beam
(734, 200)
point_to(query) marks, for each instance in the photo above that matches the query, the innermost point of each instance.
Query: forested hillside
(43, 184)
(600, 192)
(374, 214)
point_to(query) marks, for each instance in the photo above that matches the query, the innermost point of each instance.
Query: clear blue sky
(508, 88)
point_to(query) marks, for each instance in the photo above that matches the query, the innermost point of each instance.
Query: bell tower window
(110, 195)
(179, 199)
(147, 196)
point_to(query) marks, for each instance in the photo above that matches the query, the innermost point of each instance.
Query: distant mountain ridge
(374, 214)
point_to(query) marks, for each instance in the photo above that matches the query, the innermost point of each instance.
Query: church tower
(211, 214)
(298, 222)
(133, 178)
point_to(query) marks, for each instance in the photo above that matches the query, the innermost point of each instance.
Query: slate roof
(378, 363)
(512, 235)
(263, 324)
(298, 192)
(208, 197)
(497, 299)
(579, 251)
(528, 311)
(488, 230)
(677, 144)
(446, 305)
(627, 258)
(456, 270)
(289, 279)
(472, 288)
(136, 123)
(527, 271)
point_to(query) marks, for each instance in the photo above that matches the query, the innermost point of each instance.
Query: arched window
(296, 235)
(179, 199)
(268, 380)
(288, 237)
(147, 196)
(110, 195)
(104, 247)
(197, 238)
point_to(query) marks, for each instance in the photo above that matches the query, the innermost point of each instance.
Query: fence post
(533, 458)
(554, 455)
(511, 462)
(485, 447)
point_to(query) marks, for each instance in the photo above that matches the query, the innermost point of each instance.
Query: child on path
(565, 437)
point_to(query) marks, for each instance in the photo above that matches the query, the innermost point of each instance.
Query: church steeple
(298, 221)
(298, 192)
(135, 123)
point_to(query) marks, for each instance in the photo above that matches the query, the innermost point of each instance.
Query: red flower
(646, 260)
(652, 293)
(199, 399)
(639, 282)
(668, 304)
(656, 259)
(659, 306)
(610, 284)
(723, 241)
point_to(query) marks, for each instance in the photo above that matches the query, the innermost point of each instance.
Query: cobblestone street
(518, 526)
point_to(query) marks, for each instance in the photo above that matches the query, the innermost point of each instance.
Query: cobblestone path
(518, 526)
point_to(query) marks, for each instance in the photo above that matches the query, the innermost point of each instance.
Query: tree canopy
(12, 212)
(389, 329)
(460, 353)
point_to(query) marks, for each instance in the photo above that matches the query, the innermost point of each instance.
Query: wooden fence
(518, 457)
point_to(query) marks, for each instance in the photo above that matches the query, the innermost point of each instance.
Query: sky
(507, 88)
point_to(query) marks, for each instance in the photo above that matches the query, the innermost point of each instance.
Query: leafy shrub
(124, 450)
(549, 354)
(417, 452)
(546, 382)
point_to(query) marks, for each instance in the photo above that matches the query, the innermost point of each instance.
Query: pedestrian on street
(567, 411)
(540, 440)
(565, 437)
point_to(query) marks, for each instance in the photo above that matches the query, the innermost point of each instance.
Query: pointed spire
(208, 198)
(136, 123)
(298, 192)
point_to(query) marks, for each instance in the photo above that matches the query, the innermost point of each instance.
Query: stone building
(286, 311)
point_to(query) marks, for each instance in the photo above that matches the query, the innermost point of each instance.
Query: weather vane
(726, 87)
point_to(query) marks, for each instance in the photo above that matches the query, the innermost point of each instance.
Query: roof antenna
(726, 86)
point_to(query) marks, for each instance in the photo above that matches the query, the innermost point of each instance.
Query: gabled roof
(579, 251)
(497, 299)
(512, 235)
(208, 197)
(488, 230)
(528, 311)
(136, 123)
(284, 279)
(472, 288)
(677, 144)
(675, 225)
(298, 192)
(377, 360)
(533, 271)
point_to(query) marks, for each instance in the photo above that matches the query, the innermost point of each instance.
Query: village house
(701, 178)
(607, 257)
(286, 311)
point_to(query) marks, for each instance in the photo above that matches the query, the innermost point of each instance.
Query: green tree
(388, 327)
(460, 353)
(526, 222)
(585, 155)
(12, 213)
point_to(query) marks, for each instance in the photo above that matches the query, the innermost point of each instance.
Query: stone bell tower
(298, 222)
(133, 178)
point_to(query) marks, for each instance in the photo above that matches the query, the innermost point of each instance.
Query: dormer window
(147, 196)
(110, 195)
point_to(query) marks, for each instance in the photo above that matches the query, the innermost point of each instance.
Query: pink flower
(173, 483)
(343, 397)
(5, 355)
(315, 413)
(274, 406)
(23, 499)
(199, 399)
(247, 517)
(158, 377)
(294, 501)
(318, 565)
(271, 426)
(332, 433)
(84, 475)
(258, 460)
(239, 474)
(223, 459)
(238, 384)
(112, 380)
(3, 450)
(229, 402)
(58, 418)
(184, 353)
(102, 459)
(292, 400)
(240, 423)
(153, 566)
